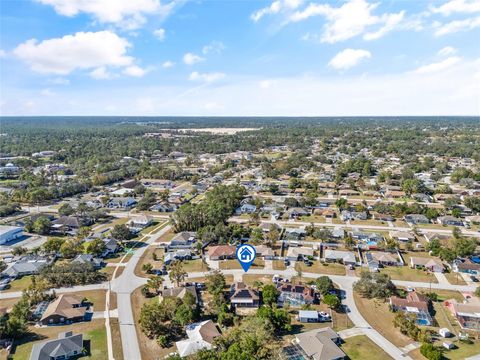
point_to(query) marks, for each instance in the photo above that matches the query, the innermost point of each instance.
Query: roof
(66, 343)
(306, 291)
(311, 314)
(413, 300)
(319, 344)
(346, 256)
(67, 306)
(6, 229)
(296, 251)
(241, 291)
(180, 292)
(382, 257)
(427, 262)
(221, 250)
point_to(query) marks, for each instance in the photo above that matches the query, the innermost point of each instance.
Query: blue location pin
(246, 255)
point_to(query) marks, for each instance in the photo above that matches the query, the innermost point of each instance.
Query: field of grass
(94, 334)
(378, 315)
(323, 268)
(96, 297)
(278, 265)
(407, 274)
(234, 264)
(455, 278)
(361, 347)
(19, 284)
(191, 266)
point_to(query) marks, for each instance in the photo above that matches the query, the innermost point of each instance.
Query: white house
(9, 233)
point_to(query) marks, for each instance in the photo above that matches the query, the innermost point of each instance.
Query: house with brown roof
(66, 308)
(467, 314)
(295, 295)
(178, 292)
(414, 303)
(221, 252)
(430, 264)
(242, 296)
(320, 344)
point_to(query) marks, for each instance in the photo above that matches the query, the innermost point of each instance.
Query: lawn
(407, 274)
(191, 266)
(323, 268)
(97, 297)
(455, 278)
(378, 315)
(116, 339)
(249, 279)
(279, 265)
(361, 347)
(19, 284)
(148, 257)
(234, 264)
(94, 332)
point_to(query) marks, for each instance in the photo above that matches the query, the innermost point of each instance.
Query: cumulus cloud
(101, 73)
(351, 19)
(349, 58)
(447, 51)
(275, 7)
(438, 66)
(134, 70)
(83, 50)
(160, 34)
(215, 47)
(190, 58)
(206, 77)
(457, 6)
(456, 26)
(129, 14)
(168, 64)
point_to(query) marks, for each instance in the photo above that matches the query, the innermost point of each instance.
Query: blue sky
(283, 57)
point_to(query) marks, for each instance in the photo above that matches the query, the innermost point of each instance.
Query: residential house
(320, 344)
(89, 259)
(430, 264)
(265, 251)
(378, 259)
(180, 254)
(221, 252)
(382, 217)
(183, 240)
(347, 215)
(402, 236)
(27, 265)
(295, 295)
(344, 257)
(164, 207)
(294, 253)
(241, 296)
(246, 209)
(467, 314)
(430, 236)
(65, 309)
(141, 221)
(10, 233)
(395, 194)
(125, 203)
(414, 303)
(416, 219)
(200, 336)
(466, 266)
(449, 221)
(367, 237)
(179, 292)
(297, 212)
(70, 223)
(66, 346)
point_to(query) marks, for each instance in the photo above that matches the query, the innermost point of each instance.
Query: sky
(240, 57)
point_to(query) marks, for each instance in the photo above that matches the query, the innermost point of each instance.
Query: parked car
(473, 278)
(287, 262)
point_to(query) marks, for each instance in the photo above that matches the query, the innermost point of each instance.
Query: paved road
(357, 225)
(124, 285)
(17, 294)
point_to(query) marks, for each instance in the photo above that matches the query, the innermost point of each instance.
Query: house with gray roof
(320, 344)
(66, 346)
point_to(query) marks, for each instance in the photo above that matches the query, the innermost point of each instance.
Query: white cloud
(160, 34)
(190, 58)
(129, 14)
(391, 22)
(351, 19)
(206, 77)
(275, 7)
(47, 92)
(447, 51)
(134, 70)
(83, 50)
(215, 47)
(457, 6)
(59, 81)
(456, 26)
(438, 66)
(168, 64)
(3, 53)
(266, 84)
(348, 58)
(101, 73)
